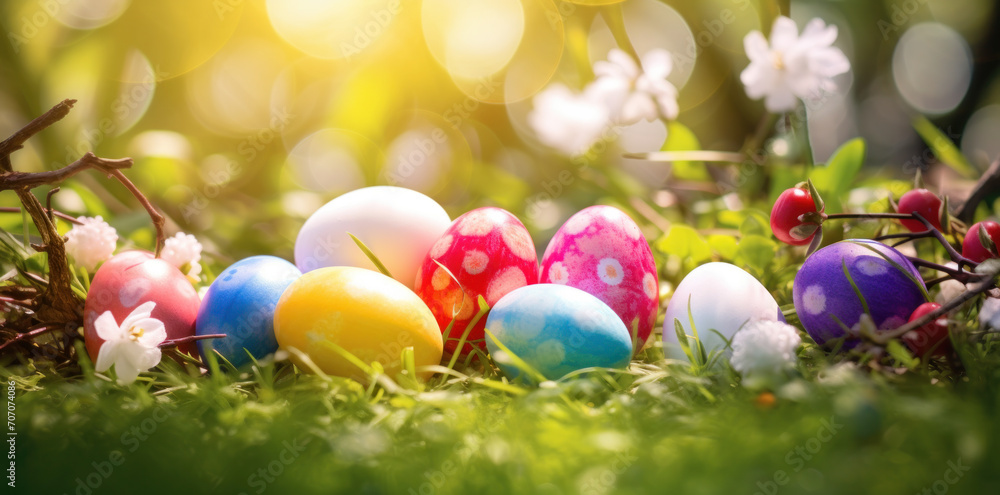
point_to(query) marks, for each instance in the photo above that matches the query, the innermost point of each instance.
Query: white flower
(567, 121)
(184, 252)
(635, 93)
(764, 347)
(989, 314)
(91, 242)
(792, 66)
(131, 347)
(951, 288)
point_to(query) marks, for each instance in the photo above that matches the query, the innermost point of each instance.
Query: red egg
(133, 278)
(490, 253)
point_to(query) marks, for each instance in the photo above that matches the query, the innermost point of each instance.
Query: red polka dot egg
(490, 253)
(132, 278)
(602, 251)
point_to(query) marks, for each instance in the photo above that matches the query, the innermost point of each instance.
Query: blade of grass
(371, 256)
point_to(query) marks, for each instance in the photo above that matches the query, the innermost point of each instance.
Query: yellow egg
(363, 312)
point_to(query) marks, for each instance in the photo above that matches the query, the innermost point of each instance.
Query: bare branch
(988, 183)
(14, 180)
(16, 141)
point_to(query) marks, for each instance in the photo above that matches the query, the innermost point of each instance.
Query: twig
(16, 140)
(14, 180)
(988, 183)
(984, 286)
(50, 211)
(960, 275)
(28, 335)
(191, 338)
(157, 218)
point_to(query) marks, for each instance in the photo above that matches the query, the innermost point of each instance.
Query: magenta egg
(490, 253)
(132, 278)
(602, 251)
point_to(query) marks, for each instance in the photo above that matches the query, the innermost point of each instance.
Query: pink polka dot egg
(602, 251)
(489, 253)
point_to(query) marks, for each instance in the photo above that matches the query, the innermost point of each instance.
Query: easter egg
(602, 251)
(132, 278)
(490, 253)
(557, 329)
(722, 298)
(826, 300)
(398, 225)
(358, 311)
(240, 304)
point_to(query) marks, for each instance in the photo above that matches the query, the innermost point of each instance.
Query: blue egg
(557, 329)
(240, 303)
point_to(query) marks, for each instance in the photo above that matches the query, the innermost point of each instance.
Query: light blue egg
(240, 304)
(557, 329)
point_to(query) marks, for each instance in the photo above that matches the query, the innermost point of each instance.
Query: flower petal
(144, 310)
(618, 57)
(756, 47)
(126, 374)
(780, 101)
(818, 34)
(153, 332)
(657, 63)
(784, 34)
(107, 328)
(107, 355)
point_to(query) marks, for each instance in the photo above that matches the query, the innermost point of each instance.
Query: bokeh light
(932, 67)
(332, 29)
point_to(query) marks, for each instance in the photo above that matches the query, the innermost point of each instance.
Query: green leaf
(834, 179)
(755, 251)
(723, 245)
(685, 242)
(756, 223)
(371, 256)
(900, 353)
(680, 138)
(944, 149)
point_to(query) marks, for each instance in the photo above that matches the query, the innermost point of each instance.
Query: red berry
(973, 249)
(932, 336)
(785, 216)
(924, 202)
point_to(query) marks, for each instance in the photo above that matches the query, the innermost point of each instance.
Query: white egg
(722, 298)
(399, 225)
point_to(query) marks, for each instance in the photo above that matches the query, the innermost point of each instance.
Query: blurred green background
(245, 116)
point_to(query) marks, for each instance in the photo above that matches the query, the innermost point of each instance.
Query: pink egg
(132, 278)
(602, 251)
(490, 253)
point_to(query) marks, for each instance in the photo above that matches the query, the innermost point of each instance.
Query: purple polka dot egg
(601, 251)
(842, 281)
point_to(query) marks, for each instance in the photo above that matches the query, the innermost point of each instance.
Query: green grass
(835, 428)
